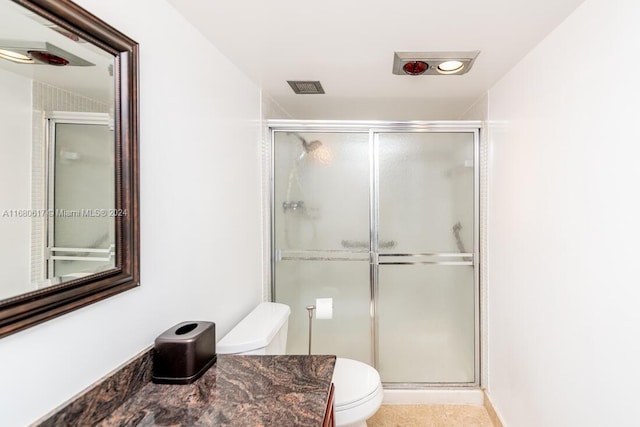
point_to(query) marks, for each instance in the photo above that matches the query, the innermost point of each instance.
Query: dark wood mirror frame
(31, 308)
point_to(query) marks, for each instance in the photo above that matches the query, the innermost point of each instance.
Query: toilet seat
(358, 391)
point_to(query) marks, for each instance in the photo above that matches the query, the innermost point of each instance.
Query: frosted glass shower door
(426, 279)
(321, 238)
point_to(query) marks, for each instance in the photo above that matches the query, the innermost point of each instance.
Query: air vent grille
(306, 87)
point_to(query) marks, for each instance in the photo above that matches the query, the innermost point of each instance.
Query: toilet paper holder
(324, 310)
(310, 309)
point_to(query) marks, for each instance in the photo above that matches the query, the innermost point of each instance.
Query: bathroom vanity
(283, 390)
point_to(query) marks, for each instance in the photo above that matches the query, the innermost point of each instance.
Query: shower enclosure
(382, 218)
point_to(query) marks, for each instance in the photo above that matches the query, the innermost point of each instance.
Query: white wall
(15, 183)
(563, 225)
(200, 216)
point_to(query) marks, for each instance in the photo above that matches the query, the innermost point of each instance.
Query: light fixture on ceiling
(29, 52)
(433, 63)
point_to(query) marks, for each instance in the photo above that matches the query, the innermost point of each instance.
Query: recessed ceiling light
(450, 67)
(15, 57)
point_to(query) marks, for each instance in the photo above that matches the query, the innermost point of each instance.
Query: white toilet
(358, 392)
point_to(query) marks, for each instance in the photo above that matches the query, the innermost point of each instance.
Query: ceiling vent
(434, 63)
(306, 87)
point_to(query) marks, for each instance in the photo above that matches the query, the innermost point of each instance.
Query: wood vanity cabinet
(329, 413)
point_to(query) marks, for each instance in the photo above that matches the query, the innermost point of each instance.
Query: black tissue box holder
(183, 353)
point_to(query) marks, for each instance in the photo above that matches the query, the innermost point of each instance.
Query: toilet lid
(256, 330)
(354, 381)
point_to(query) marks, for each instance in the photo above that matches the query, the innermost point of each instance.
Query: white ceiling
(348, 45)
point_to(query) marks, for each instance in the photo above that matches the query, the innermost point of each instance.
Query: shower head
(309, 146)
(316, 150)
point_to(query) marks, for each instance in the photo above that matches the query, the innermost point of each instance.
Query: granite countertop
(236, 391)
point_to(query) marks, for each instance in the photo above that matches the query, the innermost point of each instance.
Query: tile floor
(430, 416)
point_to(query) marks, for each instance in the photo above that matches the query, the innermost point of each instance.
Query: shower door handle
(82, 254)
(320, 255)
(440, 258)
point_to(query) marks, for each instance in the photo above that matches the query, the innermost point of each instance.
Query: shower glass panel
(321, 190)
(425, 324)
(426, 291)
(321, 238)
(425, 186)
(347, 282)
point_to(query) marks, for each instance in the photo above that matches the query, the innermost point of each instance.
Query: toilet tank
(263, 331)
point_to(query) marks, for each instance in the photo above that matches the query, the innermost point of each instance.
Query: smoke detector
(433, 63)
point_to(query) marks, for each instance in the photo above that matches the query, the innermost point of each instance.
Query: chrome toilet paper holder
(310, 309)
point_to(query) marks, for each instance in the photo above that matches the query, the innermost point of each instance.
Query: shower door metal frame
(374, 129)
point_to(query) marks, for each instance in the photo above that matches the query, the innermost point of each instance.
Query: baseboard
(433, 397)
(493, 414)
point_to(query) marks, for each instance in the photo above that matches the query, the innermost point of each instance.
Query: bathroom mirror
(69, 222)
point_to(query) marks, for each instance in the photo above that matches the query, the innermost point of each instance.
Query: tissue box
(184, 352)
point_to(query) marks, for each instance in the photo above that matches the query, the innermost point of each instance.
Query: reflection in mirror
(68, 164)
(59, 132)
(80, 224)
